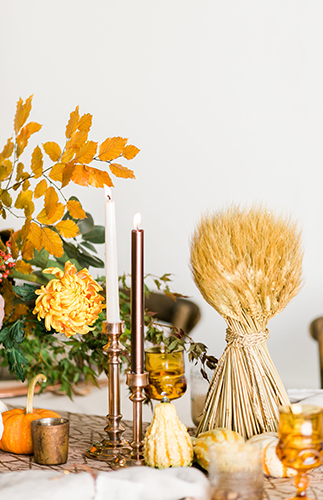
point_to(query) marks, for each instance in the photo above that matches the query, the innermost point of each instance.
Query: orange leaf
(75, 209)
(67, 228)
(120, 171)
(80, 175)
(8, 149)
(23, 201)
(48, 221)
(53, 150)
(33, 234)
(37, 162)
(52, 242)
(77, 139)
(67, 173)
(86, 152)
(72, 123)
(40, 188)
(98, 178)
(27, 251)
(56, 172)
(22, 113)
(85, 122)
(130, 152)
(67, 155)
(5, 169)
(112, 148)
(51, 202)
(23, 267)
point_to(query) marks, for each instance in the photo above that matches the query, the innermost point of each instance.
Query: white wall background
(225, 100)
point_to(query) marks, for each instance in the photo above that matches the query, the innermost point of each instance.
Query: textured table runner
(86, 429)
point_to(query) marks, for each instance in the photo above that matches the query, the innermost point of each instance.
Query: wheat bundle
(247, 263)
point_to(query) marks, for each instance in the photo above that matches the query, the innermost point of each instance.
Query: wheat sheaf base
(246, 390)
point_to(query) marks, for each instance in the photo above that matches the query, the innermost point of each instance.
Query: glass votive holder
(166, 373)
(199, 387)
(50, 440)
(235, 471)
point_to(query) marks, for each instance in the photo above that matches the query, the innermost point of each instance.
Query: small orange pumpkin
(16, 437)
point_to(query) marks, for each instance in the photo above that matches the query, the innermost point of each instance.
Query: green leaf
(97, 235)
(17, 362)
(86, 225)
(88, 245)
(71, 250)
(40, 259)
(35, 277)
(25, 292)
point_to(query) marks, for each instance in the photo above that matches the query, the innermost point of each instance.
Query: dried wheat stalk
(247, 263)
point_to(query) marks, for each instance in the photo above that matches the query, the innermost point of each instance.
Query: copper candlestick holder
(113, 446)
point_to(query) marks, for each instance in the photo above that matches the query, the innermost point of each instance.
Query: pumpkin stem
(31, 388)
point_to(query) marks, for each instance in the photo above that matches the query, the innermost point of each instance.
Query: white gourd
(215, 436)
(167, 442)
(271, 464)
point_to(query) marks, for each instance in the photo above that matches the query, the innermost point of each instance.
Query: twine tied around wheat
(240, 396)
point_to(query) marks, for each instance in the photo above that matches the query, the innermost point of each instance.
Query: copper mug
(50, 440)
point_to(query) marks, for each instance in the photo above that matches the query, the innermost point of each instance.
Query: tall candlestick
(137, 297)
(111, 260)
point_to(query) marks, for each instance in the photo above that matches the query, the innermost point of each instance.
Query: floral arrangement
(53, 321)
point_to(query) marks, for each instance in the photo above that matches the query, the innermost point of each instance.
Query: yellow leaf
(67, 173)
(56, 172)
(86, 152)
(53, 150)
(22, 113)
(33, 127)
(52, 242)
(27, 251)
(5, 169)
(80, 175)
(33, 235)
(98, 178)
(20, 171)
(112, 148)
(67, 155)
(67, 228)
(130, 152)
(6, 198)
(48, 221)
(40, 188)
(20, 310)
(51, 201)
(25, 185)
(120, 171)
(37, 162)
(77, 139)
(75, 209)
(8, 149)
(72, 123)
(85, 122)
(23, 201)
(23, 267)
(14, 247)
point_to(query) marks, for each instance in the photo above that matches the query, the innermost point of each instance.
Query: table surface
(87, 429)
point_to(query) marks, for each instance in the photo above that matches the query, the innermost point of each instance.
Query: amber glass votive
(166, 373)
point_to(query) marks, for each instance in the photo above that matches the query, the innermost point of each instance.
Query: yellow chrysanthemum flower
(70, 303)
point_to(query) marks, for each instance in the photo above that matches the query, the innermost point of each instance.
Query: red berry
(8, 243)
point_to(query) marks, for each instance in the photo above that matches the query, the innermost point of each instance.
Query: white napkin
(306, 396)
(134, 483)
(145, 483)
(49, 485)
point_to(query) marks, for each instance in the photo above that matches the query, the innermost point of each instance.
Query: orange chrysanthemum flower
(70, 303)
